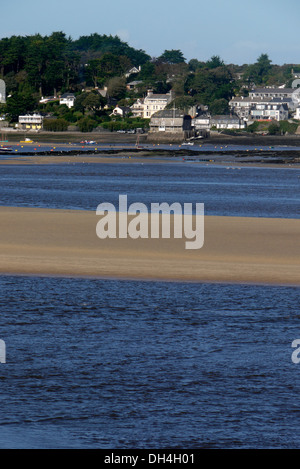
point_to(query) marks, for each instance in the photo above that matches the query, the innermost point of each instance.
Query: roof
(158, 96)
(67, 95)
(255, 99)
(170, 113)
(124, 108)
(225, 118)
(272, 90)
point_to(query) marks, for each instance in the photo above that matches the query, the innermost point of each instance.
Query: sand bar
(38, 241)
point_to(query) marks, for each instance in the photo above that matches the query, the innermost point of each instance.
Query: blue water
(107, 364)
(259, 192)
(96, 363)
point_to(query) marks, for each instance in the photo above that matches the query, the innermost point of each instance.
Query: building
(201, 122)
(151, 104)
(242, 106)
(137, 108)
(48, 99)
(227, 122)
(31, 122)
(133, 71)
(121, 111)
(68, 99)
(270, 111)
(133, 85)
(271, 93)
(170, 124)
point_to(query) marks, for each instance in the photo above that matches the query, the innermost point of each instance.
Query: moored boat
(5, 149)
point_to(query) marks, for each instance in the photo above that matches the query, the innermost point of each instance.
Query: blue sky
(236, 31)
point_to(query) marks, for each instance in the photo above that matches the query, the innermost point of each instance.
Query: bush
(274, 129)
(55, 125)
(253, 127)
(288, 127)
(86, 124)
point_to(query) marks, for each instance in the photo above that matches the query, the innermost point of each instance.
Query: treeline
(47, 64)
(36, 66)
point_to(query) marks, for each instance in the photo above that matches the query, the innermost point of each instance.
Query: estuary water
(224, 190)
(94, 363)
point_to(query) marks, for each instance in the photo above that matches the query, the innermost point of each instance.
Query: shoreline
(111, 147)
(109, 137)
(63, 243)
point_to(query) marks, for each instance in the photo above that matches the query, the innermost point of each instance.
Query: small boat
(88, 142)
(27, 140)
(187, 143)
(5, 149)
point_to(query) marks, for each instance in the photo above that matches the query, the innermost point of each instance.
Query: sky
(239, 32)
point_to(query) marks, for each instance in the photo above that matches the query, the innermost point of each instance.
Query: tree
(116, 88)
(208, 85)
(219, 107)
(184, 103)
(259, 72)
(172, 57)
(86, 124)
(20, 104)
(215, 62)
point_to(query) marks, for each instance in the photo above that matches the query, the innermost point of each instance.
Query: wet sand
(37, 241)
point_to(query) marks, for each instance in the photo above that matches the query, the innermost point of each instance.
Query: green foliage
(209, 85)
(117, 88)
(125, 124)
(102, 44)
(19, 104)
(253, 127)
(184, 103)
(288, 127)
(55, 125)
(215, 62)
(219, 106)
(172, 57)
(86, 124)
(259, 72)
(274, 128)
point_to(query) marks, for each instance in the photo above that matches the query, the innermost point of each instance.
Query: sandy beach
(36, 241)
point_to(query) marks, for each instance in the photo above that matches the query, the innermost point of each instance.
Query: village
(167, 123)
(166, 98)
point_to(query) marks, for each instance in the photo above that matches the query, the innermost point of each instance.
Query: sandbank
(35, 241)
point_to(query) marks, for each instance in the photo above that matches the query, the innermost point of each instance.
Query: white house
(270, 111)
(201, 122)
(68, 99)
(132, 71)
(226, 122)
(297, 115)
(121, 111)
(150, 104)
(31, 122)
(271, 92)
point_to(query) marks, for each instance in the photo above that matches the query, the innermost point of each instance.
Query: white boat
(5, 149)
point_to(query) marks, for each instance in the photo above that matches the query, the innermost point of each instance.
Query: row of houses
(266, 104)
(261, 104)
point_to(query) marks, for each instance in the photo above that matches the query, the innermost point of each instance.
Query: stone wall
(167, 137)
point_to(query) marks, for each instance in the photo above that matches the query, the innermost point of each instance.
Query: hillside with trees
(37, 66)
